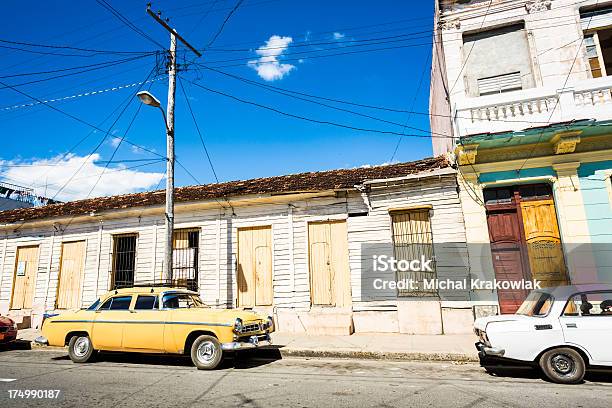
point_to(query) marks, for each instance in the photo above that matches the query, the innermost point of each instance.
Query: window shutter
(500, 83)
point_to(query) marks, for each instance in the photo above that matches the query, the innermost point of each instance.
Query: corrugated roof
(302, 182)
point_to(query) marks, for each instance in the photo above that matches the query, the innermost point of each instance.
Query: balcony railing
(587, 99)
(22, 194)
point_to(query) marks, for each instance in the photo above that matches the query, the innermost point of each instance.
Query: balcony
(13, 196)
(520, 110)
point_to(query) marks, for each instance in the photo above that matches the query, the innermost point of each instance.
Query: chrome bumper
(253, 342)
(41, 341)
(484, 350)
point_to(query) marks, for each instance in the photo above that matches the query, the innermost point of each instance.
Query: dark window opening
(146, 303)
(185, 258)
(117, 303)
(124, 260)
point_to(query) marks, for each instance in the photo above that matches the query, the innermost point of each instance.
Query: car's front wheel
(206, 352)
(80, 349)
(563, 365)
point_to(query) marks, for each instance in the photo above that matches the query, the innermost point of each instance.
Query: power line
(345, 102)
(78, 95)
(414, 99)
(67, 47)
(288, 94)
(304, 118)
(195, 122)
(127, 22)
(78, 67)
(76, 118)
(220, 30)
(106, 134)
(569, 73)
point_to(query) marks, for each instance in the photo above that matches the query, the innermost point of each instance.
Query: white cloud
(114, 141)
(338, 36)
(268, 66)
(47, 176)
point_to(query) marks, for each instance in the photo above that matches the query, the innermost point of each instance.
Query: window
(412, 240)
(185, 258)
(124, 260)
(146, 303)
(117, 303)
(536, 304)
(589, 304)
(597, 26)
(499, 61)
(94, 305)
(181, 301)
(500, 83)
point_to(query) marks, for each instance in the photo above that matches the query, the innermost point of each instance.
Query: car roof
(147, 290)
(564, 292)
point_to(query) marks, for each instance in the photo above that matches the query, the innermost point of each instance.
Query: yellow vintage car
(156, 320)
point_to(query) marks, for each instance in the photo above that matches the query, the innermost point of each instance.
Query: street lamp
(148, 99)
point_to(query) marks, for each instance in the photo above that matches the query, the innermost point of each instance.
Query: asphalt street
(133, 380)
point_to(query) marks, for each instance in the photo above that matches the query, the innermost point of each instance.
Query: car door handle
(571, 325)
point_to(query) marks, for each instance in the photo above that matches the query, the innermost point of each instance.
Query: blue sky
(244, 141)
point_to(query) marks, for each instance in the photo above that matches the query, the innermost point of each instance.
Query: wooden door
(25, 277)
(72, 266)
(330, 281)
(544, 248)
(507, 250)
(255, 267)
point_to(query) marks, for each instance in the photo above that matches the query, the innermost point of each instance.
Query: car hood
(481, 322)
(5, 321)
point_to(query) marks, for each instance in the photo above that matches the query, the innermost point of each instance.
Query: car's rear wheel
(80, 349)
(206, 352)
(563, 365)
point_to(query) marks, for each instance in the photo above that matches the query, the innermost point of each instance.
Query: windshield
(536, 304)
(181, 301)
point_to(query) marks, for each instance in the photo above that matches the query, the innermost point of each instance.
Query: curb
(377, 355)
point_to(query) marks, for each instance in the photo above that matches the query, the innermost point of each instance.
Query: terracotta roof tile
(302, 182)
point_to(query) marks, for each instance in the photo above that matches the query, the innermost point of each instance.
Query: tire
(563, 365)
(80, 349)
(206, 352)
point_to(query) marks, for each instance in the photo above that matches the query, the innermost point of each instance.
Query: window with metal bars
(412, 240)
(186, 243)
(124, 260)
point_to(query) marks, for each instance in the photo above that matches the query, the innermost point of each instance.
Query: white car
(564, 330)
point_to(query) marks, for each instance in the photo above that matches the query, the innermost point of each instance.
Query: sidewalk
(458, 347)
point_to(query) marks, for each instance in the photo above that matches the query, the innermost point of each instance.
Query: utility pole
(172, 70)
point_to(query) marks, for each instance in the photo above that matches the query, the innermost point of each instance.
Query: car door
(587, 322)
(111, 318)
(145, 332)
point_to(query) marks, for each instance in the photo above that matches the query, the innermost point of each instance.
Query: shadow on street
(16, 345)
(238, 360)
(529, 372)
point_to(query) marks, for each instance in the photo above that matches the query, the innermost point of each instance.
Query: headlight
(15, 325)
(238, 325)
(270, 323)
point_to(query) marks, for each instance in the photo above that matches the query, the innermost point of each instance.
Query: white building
(298, 247)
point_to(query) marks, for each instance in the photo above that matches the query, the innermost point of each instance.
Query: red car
(8, 330)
